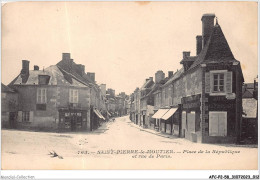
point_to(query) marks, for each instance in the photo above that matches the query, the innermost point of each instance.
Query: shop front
(72, 119)
(157, 116)
(170, 122)
(220, 123)
(190, 118)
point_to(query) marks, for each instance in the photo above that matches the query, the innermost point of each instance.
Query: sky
(122, 42)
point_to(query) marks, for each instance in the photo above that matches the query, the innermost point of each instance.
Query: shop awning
(98, 114)
(169, 113)
(108, 113)
(102, 117)
(160, 113)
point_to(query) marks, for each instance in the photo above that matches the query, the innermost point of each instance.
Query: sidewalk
(152, 131)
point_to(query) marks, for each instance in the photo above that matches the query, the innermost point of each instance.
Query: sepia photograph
(141, 85)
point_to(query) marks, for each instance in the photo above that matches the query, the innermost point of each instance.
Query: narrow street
(118, 145)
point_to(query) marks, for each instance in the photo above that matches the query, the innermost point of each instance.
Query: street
(118, 145)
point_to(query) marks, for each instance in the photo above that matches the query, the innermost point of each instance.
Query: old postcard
(129, 85)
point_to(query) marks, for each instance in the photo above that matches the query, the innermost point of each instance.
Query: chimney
(186, 54)
(170, 74)
(25, 70)
(198, 44)
(103, 89)
(91, 76)
(151, 78)
(68, 62)
(36, 68)
(159, 75)
(146, 79)
(65, 56)
(207, 27)
(81, 69)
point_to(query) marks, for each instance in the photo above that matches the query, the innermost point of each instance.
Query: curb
(158, 134)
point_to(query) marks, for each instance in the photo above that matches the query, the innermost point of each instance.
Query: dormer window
(43, 79)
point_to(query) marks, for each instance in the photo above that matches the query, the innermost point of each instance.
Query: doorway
(12, 119)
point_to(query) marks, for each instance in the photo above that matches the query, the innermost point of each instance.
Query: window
(43, 79)
(217, 123)
(41, 107)
(73, 96)
(218, 82)
(25, 116)
(41, 96)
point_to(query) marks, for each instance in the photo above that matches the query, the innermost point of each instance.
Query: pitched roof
(154, 88)
(75, 71)
(5, 88)
(189, 59)
(147, 84)
(176, 75)
(57, 75)
(215, 50)
(249, 93)
(157, 86)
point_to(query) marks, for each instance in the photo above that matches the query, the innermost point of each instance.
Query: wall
(233, 107)
(57, 97)
(188, 85)
(9, 103)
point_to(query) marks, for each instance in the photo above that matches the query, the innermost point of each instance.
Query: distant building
(137, 111)
(145, 101)
(249, 129)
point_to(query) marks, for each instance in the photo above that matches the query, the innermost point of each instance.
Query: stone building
(137, 110)
(61, 97)
(249, 125)
(145, 101)
(206, 92)
(202, 101)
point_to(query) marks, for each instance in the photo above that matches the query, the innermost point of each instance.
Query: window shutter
(19, 117)
(31, 116)
(70, 96)
(76, 96)
(213, 124)
(191, 121)
(229, 82)
(38, 95)
(222, 126)
(45, 95)
(183, 120)
(207, 82)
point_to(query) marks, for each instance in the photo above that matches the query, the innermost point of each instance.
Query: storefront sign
(191, 102)
(220, 106)
(191, 105)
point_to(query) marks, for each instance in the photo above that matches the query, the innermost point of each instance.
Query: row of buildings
(62, 97)
(202, 101)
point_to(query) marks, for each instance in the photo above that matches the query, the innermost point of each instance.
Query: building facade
(61, 97)
(202, 101)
